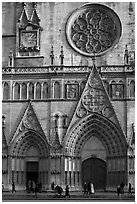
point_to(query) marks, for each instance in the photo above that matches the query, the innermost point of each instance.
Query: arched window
(82, 86)
(106, 84)
(57, 89)
(38, 91)
(31, 90)
(132, 88)
(17, 91)
(6, 91)
(45, 90)
(24, 91)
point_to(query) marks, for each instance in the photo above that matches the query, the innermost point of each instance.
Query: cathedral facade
(68, 101)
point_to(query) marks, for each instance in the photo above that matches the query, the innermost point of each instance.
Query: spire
(34, 17)
(23, 18)
(126, 56)
(61, 56)
(11, 58)
(52, 56)
(56, 143)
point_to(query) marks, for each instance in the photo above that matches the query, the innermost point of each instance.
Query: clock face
(28, 39)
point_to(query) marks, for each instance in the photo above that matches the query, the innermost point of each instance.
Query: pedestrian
(13, 187)
(52, 185)
(129, 189)
(67, 191)
(89, 188)
(29, 186)
(92, 189)
(33, 186)
(2, 186)
(36, 189)
(122, 187)
(118, 190)
(85, 188)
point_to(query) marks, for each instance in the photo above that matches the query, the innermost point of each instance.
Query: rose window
(93, 29)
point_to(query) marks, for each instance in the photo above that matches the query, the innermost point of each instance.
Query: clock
(29, 39)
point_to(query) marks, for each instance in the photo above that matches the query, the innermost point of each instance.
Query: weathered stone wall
(54, 16)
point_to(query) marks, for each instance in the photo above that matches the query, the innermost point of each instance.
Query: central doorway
(94, 171)
(32, 171)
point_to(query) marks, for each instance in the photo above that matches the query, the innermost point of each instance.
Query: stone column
(60, 126)
(35, 91)
(27, 91)
(72, 172)
(42, 91)
(68, 170)
(20, 90)
(12, 91)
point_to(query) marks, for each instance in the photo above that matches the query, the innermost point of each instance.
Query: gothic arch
(31, 90)
(6, 91)
(24, 91)
(38, 90)
(57, 90)
(45, 90)
(25, 140)
(99, 126)
(16, 91)
(132, 88)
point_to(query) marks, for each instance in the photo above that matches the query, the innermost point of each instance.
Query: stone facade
(65, 112)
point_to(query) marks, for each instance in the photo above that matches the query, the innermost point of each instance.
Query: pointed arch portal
(114, 148)
(29, 158)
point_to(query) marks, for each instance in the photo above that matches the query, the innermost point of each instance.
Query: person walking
(36, 189)
(2, 187)
(129, 189)
(119, 191)
(85, 188)
(89, 188)
(13, 187)
(67, 191)
(122, 187)
(92, 189)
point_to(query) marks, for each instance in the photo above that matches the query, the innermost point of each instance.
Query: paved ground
(75, 196)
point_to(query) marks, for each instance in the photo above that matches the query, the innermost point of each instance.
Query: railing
(64, 69)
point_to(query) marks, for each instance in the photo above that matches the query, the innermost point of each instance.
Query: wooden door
(94, 171)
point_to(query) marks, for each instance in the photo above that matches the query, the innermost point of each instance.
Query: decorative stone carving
(93, 29)
(29, 30)
(29, 121)
(72, 90)
(94, 97)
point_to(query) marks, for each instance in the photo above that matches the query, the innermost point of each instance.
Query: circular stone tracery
(93, 29)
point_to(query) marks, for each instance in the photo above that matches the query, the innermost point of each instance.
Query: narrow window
(38, 91)
(31, 91)
(132, 89)
(24, 91)
(17, 91)
(45, 90)
(6, 91)
(57, 90)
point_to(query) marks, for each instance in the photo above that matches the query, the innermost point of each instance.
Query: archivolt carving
(100, 127)
(25, 140)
